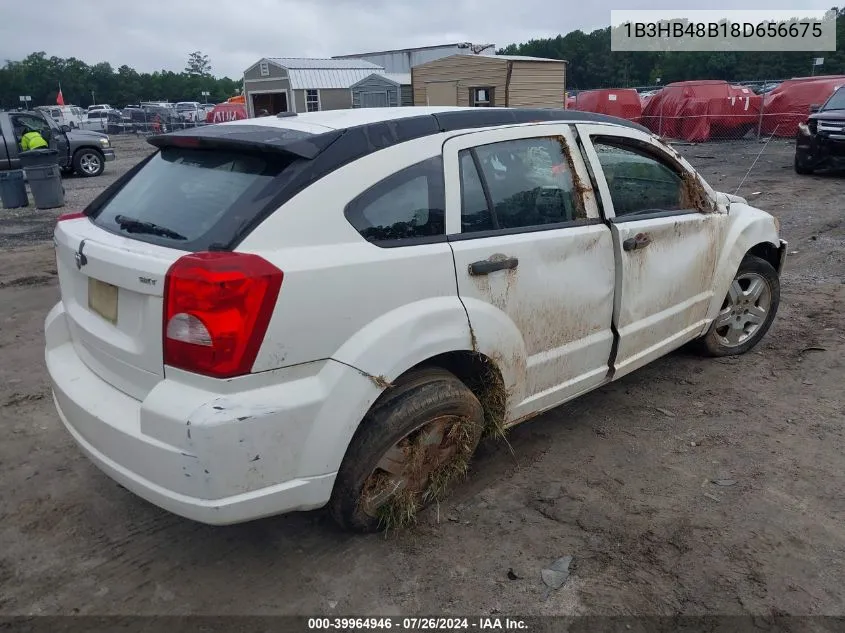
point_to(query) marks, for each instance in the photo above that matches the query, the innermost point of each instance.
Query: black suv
(821, 140)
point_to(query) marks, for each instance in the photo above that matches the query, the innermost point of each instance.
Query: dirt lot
(620, 479)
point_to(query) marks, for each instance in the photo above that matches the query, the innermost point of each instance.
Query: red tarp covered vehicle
(789, 104)
(569, 103)
(223, 112)
(623, 103)
(697, 111)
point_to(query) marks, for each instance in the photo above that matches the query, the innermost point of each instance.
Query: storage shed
(283, 84)
(381, 90)
(489, 81)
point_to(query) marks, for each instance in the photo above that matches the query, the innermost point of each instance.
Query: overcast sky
(158, 34)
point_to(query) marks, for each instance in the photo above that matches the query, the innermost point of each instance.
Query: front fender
(747, 228)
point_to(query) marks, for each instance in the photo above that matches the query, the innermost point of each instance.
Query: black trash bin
(45, 182)
(39, 157)
(13, 189)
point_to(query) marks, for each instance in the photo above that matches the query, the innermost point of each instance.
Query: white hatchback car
(282, 313)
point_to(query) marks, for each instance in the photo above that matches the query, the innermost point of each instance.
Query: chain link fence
(144, 120)
(712, 111)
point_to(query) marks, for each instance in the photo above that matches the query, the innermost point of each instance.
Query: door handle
(639, 241)
(487, 266)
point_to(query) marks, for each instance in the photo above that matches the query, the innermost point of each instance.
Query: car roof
(457, 117)
(365, 130)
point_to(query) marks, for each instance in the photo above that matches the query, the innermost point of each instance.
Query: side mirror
(65, 128)
(815, 108)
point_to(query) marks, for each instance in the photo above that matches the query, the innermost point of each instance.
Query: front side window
(22, 122)
(408, 204)
(522, 183)
(639, 183)
(312, 100)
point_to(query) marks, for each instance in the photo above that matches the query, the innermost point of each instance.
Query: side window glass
(407, 204)
(22, 121)
(475, 213)
(638, 182)
(529, 183)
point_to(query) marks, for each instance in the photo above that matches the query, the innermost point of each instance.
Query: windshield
(836, 101)
(203, 195)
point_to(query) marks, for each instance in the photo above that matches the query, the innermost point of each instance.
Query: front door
(667, 231)
(534, 262)
(53, 135)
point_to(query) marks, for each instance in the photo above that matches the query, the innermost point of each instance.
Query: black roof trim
(450, 121)
(260, 138)
(352, 143)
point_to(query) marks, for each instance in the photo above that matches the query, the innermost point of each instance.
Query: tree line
(592, 64)
(39, 77)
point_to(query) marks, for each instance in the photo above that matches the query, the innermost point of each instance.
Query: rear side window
(196, 198)
(407, 205)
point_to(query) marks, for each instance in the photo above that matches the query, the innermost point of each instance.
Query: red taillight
(216, 310)
(70, 216)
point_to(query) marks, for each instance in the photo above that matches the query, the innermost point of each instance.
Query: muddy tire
(418, 437)
(747, 312)
(801, 168)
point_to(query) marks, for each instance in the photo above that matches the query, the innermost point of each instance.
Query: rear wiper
(133, 225)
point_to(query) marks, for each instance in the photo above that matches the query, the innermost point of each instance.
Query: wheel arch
(481, 375)
(751, 232)
(770, 252)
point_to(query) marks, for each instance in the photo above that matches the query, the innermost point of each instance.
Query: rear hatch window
(192, 199)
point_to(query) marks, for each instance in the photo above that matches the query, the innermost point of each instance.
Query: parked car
(333, 307)
(189, 111)
(150, 118)
(69, 115)
(102, 120)
(82, 151)
(821, 140)
(99, 106)
(765, 89)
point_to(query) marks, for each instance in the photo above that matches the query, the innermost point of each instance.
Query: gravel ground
(621, 479)
(30, 225)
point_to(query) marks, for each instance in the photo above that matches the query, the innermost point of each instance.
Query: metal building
(402, 60)
(284, 84)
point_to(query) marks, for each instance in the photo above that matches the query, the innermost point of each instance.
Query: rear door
(667, 233)
(534, 262)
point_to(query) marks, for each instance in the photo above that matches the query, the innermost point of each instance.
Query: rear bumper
(211, 457)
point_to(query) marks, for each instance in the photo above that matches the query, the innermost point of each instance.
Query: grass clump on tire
(414, 443)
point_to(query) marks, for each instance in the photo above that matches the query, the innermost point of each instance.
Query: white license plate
(102, 299)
